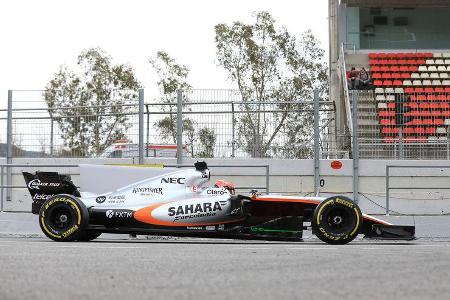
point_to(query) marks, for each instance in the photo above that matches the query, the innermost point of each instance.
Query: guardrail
(4, 167)
(388, 187)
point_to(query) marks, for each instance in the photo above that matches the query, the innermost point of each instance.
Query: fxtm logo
(173, 180)
(118, 214)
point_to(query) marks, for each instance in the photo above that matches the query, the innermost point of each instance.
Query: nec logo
(173, 180)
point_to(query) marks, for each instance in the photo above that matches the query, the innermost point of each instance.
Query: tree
(207, 139)
(89, 104)
(272, 71)
(171, 78)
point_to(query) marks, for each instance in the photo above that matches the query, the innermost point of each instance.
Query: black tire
(337, 220)
(63, 218)
(88, 235)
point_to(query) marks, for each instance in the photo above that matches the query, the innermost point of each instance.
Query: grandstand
(405, 46)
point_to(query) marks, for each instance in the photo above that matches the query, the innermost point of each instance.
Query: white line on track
(98, 247)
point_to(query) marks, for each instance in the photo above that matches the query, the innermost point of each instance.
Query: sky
(37, 36)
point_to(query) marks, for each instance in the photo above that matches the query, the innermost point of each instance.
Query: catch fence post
(232, 131)
(9, 146)
(316, 143)
(355, 148)
(179, 127)
(141, 126)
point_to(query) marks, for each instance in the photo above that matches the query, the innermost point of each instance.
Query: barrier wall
(294, 177)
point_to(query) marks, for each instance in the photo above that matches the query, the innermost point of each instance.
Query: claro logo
(173, 180)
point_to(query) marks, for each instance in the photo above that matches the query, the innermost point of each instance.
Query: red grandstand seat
(438, 90)
(435, 105)
(446, 113)
(430, 130)
(444, 105)
(386, 114)
(413, 105)
(411, 62)
(387, 83)
(421, 98)
(428, 122)
(386, 76)
(378, 83)
(389, 130)
(447, 90)
(424, 114)
(384, 69)
(376, 75)
(385, 122)
(431, 97)
(409, 90)
(382, 55)
(416, 122)
(421, 62)
(441, 98)
(419, 90)
(404, 69)
(410, 55)
(394, 69)
(375, 69)
(374, 62)
(402, 62)
(397, 83)
(413, 68)
(428, 90)
(424, 105)
(419, 130)
(408, 130)
(392, 62)
(373, 55)
(391, 105)
(391, 55)
(396, 76)
(438, 122)
(448, 97)
(428, 55)
(384, 62)
(436, 113)
(405, 75)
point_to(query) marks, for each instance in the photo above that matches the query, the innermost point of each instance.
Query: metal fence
(424, 134)
(215, 123)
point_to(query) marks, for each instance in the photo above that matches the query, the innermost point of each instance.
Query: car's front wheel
(63, 218)
(337, 220)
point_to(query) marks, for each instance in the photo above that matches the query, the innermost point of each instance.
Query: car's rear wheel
(63, 218)
(337, 220)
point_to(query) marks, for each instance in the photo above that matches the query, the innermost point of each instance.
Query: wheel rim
(60, 218)
(338, 220)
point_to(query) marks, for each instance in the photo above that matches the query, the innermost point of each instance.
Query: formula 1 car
(182, 203)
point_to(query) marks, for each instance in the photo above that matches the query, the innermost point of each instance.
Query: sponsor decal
(70, 231)
(147, 190)
(174, 180)
(194, 227)
(100, 199)
(122, 214)
(35, 184)
(215, 192)
(221, 227)
(205, 175)
(210, 227)
(116, 197)
(38, 197)
(194, 189)
(336, 164)
(190, 211)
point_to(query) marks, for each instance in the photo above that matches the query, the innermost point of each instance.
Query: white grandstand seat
(408, 82)
(437, 54)
(381, 98)
(434, 75)
(447, 122)
(417, 82)
(446, 55)
(432, 138)
(441, 130)
(445, 82)
(442, 69)
(423, 68)
(423, 75)
(448, 68)
(389, 90)
(415, 75)
(432, 69)
(447, 62)
(390, 98)
(439, 62)
(399, 91)
(382, 105)
(429, 61)
(435, 82)
(379, 91)
(442, 138)
(426, 82)
(443, 75)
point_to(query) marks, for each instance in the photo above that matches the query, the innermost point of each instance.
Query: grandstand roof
(397, 3)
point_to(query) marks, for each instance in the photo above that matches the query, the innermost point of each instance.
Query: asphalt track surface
(37, 268)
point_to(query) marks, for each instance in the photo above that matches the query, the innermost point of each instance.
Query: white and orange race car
(182, 203)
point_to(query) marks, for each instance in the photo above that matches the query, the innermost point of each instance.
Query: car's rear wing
(43, 185)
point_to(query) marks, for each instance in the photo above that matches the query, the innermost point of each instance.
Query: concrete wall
(295, 177)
